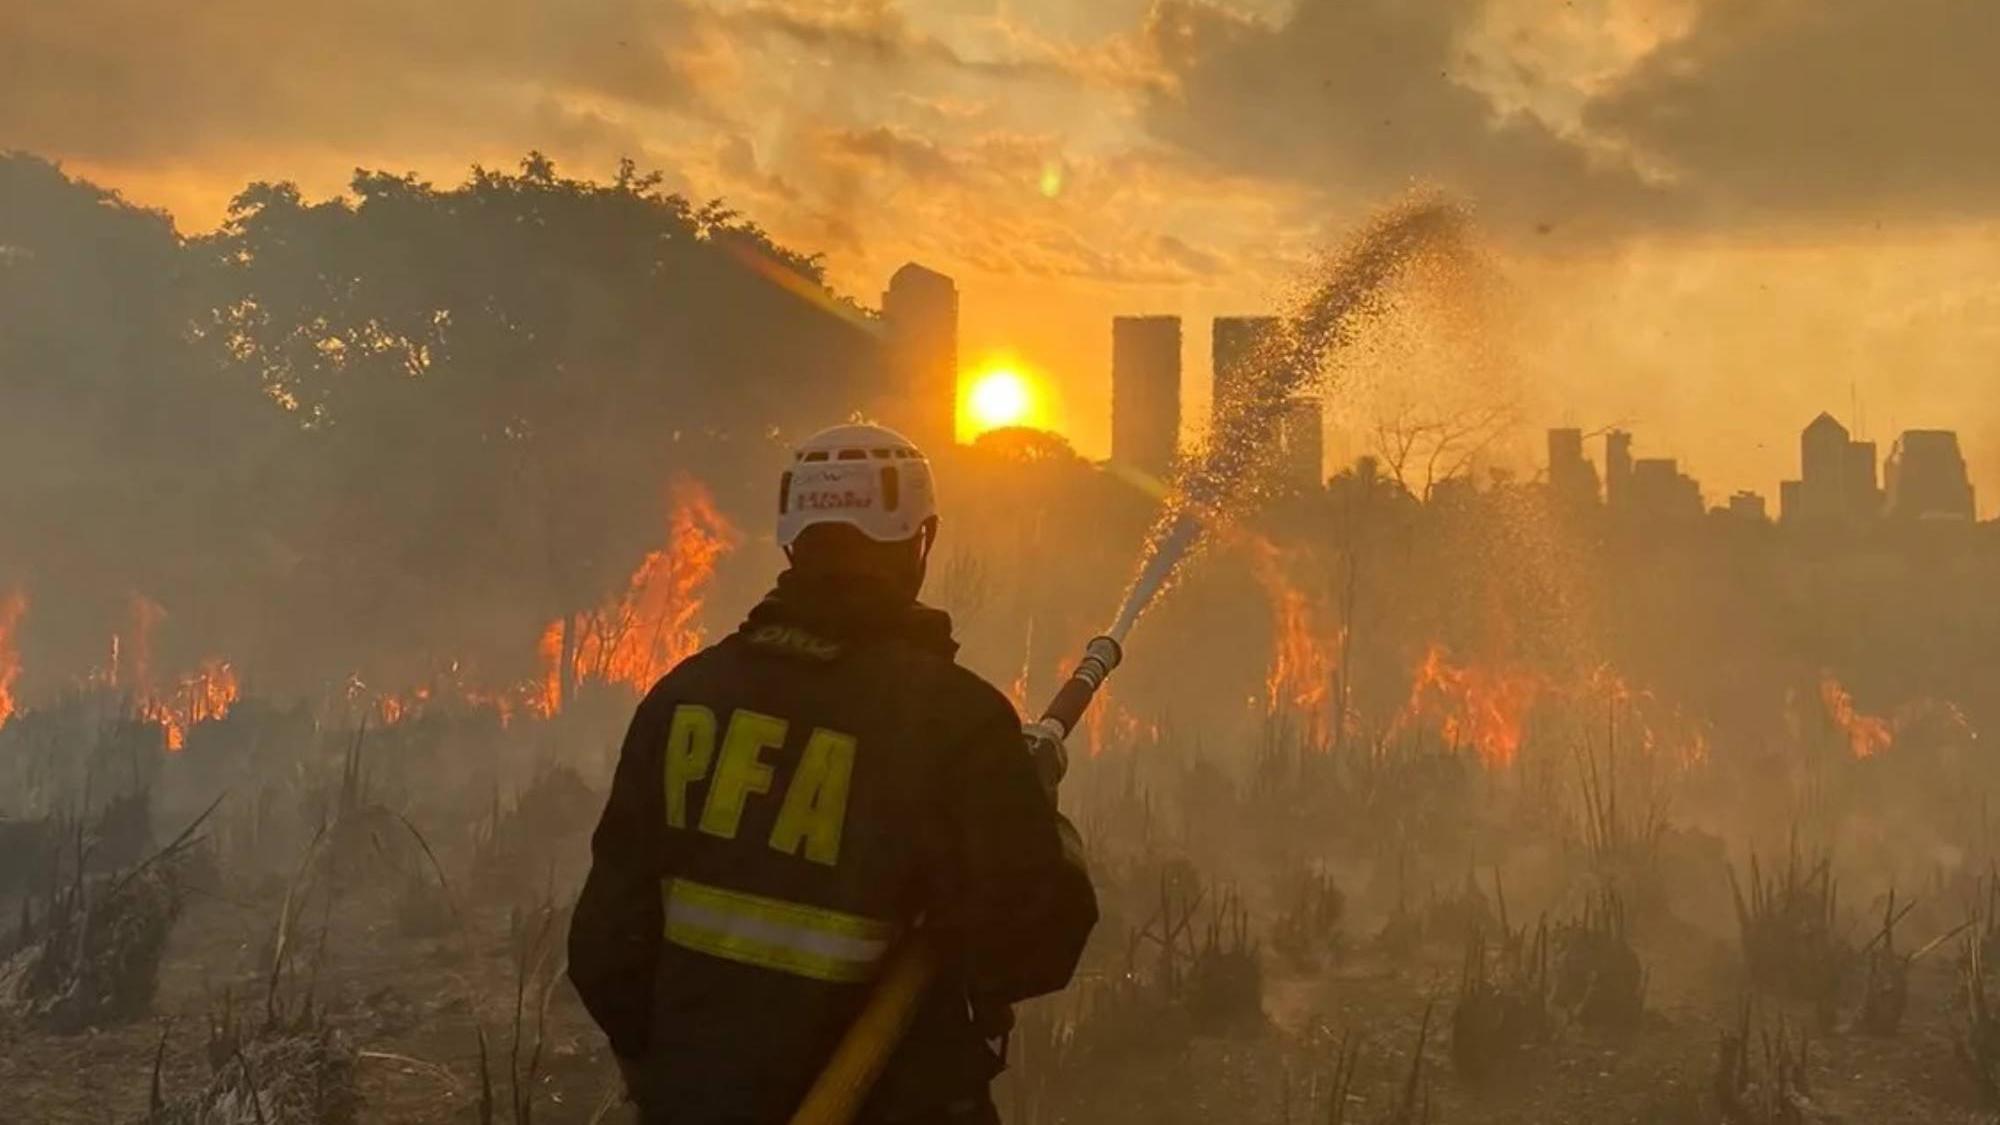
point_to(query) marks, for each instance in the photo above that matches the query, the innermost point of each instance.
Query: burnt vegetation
(1794, 945)
(342, 539)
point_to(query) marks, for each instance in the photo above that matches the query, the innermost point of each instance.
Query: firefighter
(793, 800)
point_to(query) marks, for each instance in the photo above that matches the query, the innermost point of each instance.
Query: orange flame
(1300, 678)
(452, 690)
(1018, 690)
(12, 607)
(205, 696)
(1694, 753)
(1484, 708)
(632, 641)
(1606, 683)
(395, 707)
(1094, 719)
(1867, 735)
(653, 627)
(1639, 712)
(135, 660)
(1108, 723)
(546, 698)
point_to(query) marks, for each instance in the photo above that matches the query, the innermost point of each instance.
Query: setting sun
(999, 396)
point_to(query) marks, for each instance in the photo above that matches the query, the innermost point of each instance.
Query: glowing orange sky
(1713, 221)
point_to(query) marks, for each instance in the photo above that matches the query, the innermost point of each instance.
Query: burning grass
(1479, 707)
(655, 624)
(1209, 988)
(203, 696)
(13, 606)
(1300, 681)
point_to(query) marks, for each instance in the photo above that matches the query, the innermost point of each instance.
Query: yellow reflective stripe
(778, 911)
(770, 933)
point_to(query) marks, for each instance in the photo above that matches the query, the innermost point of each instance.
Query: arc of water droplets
(1350, 288)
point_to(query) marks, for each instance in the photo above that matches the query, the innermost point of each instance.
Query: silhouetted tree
(436, 414)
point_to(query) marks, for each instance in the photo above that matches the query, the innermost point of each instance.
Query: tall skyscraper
(1864, 497)
(1146, 392)
(1659, 490)
(1927, 477)
(1617, 468)
(1572, 479)
(1301, 462)
(1233, 351)
(920, 321)
(1823, 469)
(1836, 477)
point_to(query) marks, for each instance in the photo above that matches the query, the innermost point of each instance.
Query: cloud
(125, 80)
(1775, 106)
(1743, 111)
(911, 155)
(1361, 98)
(999, 47)
(1583, 121)
(984, 203)
(875, 33)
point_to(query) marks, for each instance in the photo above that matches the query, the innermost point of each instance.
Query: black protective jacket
(787, 805)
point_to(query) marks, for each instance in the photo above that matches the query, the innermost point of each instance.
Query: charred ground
(1445, 799)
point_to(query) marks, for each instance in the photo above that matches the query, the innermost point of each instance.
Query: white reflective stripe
(774, 934)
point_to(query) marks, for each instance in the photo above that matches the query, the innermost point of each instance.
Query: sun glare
(998, 397)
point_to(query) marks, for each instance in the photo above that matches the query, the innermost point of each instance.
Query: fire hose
(864, 1051)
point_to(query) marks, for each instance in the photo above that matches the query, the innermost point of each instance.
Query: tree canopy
(438, 413)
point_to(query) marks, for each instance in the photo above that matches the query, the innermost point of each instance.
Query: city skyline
(1840, 476)
(1666, 253)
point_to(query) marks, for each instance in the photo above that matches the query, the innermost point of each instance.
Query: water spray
(1200, 498)
(1350, 287)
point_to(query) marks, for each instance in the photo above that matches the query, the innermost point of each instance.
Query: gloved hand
(1051, 757)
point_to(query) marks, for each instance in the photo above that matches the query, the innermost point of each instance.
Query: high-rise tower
(920, 322)
(1146, 392)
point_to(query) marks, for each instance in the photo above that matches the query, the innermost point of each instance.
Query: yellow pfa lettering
(690, 748)
(814, 811)
(741, 771)
(815, 807)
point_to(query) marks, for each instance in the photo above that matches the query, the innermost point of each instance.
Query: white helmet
(868, 477)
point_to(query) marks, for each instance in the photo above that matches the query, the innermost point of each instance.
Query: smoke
(1349, 289)
(1840, 108)
(1751, 112)
(115, 81)
(1606, 117)
(1360, 99)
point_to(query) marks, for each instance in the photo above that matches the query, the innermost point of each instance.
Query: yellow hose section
(840, 1090)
